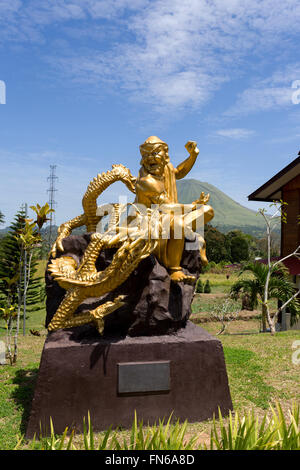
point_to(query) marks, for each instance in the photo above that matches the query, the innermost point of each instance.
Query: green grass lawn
(17, 382)
(41, 266)
(220, 283)
(259, 367)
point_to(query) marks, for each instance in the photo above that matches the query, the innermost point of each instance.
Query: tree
(11, 278)
(234, 246)
(291, 297)
(10, 258)
(29, 239)
(1, 218)
(217, 248)
(262, 246)
(41, 215)
(279, 287)
(239, 246)
(224, 312)
(11, 261)
(17, 265)
(9, 314)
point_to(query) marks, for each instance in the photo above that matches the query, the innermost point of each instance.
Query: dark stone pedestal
(183, 373)
(153, 304)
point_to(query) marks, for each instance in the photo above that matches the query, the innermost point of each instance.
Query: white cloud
(236, 134)
(274, 92)
(185, 50)
(259, 99)
(173, 53)
(9, 7)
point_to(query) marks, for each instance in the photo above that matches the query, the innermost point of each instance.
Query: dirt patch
(204, 317)
(216, 295)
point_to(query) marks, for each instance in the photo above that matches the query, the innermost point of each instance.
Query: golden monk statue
(156, 184)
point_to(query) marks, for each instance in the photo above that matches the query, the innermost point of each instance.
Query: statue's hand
(203, 199)
(191, 147)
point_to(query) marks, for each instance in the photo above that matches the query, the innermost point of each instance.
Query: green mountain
(229, 214)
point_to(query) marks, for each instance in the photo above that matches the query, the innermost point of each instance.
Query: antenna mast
(52, 203)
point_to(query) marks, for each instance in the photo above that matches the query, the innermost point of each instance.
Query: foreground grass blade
(236, 433)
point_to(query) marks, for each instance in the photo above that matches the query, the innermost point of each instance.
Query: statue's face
(153, 159)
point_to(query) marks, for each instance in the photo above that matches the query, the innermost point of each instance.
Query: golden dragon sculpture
(89, 217)
(154, 185)
(84, 281)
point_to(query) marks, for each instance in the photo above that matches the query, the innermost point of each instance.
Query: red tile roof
(292, 264)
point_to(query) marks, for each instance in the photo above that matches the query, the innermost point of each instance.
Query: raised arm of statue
(185, 167)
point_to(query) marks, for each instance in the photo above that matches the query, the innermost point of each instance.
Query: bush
(207, 288)
(224, 263)
(215, 268)
(199, 286)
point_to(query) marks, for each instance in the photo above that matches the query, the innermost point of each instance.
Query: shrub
(199, 286)
(207, 288)
(240, 432)
(246, 433)
(224, 263)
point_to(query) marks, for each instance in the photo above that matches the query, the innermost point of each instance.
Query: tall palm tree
(280, 287)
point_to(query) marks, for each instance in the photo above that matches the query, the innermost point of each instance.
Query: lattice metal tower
(52, 203)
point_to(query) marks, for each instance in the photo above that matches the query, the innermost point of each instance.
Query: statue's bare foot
(179, 276)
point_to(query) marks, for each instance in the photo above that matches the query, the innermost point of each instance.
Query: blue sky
(87, 81)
